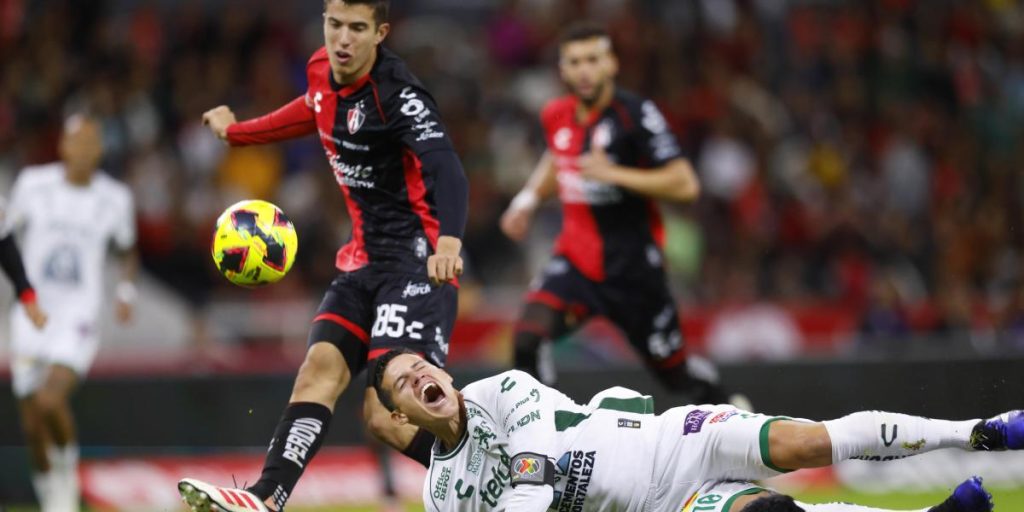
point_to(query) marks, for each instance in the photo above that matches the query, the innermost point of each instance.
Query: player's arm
(668, 176)
(412, 117)
(674, 181)
(542, 184)
(528, 409)
(10, 261)
(293, 120)
(128, 258)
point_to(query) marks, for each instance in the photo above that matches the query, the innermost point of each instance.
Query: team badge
(356, 117)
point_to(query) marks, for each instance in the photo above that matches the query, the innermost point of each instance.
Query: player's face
(421, 391)
(588, 67)
(351, 36)
(81, 147)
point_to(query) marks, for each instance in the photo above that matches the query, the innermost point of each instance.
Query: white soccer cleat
(203, 497)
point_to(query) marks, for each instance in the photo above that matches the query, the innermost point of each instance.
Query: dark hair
(773, 503)
(581, 31)
(377, 374)
(380, 8)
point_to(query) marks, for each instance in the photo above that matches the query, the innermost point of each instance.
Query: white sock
(65, 485)
(877, 435)
(43, 484)
(846, 507)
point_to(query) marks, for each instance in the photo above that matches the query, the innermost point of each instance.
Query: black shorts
(367, 312)
(641, 305)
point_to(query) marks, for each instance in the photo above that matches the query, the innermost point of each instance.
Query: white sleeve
(526, 410)
(124, 228)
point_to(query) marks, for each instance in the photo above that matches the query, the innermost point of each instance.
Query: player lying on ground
(511, 443)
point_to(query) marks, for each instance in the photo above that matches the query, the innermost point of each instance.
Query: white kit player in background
(510, 443)
(67, 215)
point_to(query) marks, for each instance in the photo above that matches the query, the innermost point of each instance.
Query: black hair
(381, 8)
(773, 503)
(582, 31)
(380, 365)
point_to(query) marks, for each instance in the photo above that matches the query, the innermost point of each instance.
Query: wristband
(126, 292)
(27, 296)
(525, 200)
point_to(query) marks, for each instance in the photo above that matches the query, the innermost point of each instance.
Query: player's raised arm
(528, 409)
(515, 222)
(412, 116)
(295, 119)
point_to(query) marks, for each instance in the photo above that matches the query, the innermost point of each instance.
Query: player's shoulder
(317, 68)
(319, 58)
(498, 384)
(112, 187)
(392, 74)
(41, 175)
(561, 106)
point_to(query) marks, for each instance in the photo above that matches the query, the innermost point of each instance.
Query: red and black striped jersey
(377, 132)
(606, 228)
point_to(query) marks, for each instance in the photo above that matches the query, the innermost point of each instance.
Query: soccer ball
(254, 243)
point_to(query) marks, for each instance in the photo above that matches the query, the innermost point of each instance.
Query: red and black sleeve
(10, 261)
(293, 120)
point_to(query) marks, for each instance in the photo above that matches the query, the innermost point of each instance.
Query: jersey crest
(356, 117)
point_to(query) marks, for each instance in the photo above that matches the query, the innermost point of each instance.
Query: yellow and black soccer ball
(254, 243)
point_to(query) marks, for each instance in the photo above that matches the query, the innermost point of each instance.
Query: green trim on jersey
(565, 420)
(753, 490)
(766, 456)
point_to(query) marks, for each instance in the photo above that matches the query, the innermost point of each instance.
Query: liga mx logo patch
(526, 466)
(356, 117)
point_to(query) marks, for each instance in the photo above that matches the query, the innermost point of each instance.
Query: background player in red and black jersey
(610, 155)
(406, 195)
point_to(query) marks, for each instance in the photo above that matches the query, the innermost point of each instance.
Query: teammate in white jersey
(511, 443)
(67, 216)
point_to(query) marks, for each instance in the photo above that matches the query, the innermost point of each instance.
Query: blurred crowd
(860, 153)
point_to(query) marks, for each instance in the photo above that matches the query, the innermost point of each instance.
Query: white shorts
(709, 449)
(65, 341)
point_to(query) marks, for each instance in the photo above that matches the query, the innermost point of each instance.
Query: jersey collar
(350, 89)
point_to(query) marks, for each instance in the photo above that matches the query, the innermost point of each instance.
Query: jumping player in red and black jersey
(406, 195)
(610, 155)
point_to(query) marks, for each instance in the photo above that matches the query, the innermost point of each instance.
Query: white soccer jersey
(612, 454)
(66, 231)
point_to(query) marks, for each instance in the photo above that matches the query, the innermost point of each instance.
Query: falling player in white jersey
(67, 215)
(511, 443)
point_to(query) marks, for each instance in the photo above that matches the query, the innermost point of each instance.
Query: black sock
(298, 437)
(947, 506)
(420, 446)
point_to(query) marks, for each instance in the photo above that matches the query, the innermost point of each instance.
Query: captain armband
(532, 469)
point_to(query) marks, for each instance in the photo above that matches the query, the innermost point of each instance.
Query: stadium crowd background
(863, 155)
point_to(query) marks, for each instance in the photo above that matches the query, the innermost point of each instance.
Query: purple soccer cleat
(971, 496)
(1003, 432)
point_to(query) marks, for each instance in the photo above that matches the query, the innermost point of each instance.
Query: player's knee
(48, 402)
(797, 445)
(31, 425)
(322, 376)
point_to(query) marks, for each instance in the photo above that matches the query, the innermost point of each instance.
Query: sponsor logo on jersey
(602, 137)
(356, 118)
(576, 468)
(628, 423)
(441, 484)
(416, 289)
(695, 421)
(575, 189)
(301, 436)
(351, 146)
(562, 139)
(723, 417)
(350, 175)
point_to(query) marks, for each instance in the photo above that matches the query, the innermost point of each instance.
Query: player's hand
(35, 314)
(515, 222)
(124, 312)
(219, 119)
(445, 264)
(597, 166)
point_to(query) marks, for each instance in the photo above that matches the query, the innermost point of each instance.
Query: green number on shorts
(709, 501)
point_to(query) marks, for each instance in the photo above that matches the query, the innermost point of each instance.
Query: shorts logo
(723, 417)
(527, 466)
(416, 289)
(627, 423)
(356, 117)
(694, 421)
(421, 248)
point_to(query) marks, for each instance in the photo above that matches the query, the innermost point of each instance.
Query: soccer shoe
(969, 496)
(203, 497)
(1003, 432)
